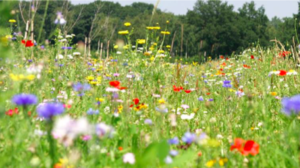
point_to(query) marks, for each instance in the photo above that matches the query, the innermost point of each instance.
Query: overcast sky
(279, 8)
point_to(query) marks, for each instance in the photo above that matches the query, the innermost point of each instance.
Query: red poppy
(23, 42)
(284, 53)
(120, 148)
(221, 69)
(11, 112)
(251, 148)
(238, 144)
(208, 94)
(67, 106)
(222, 57)
(177, 89)
(282, 73)
(29, 43)
(115, 84)
(187, 91)
(245, 147)
(122, 88)
(252, 57)
(227, 58)
(136, 101)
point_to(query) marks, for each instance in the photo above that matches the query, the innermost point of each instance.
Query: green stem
(51, 141)
(296, 31)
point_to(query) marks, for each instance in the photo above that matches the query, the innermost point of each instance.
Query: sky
(279, 8)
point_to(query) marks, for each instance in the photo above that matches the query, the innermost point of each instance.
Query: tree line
(211, 28)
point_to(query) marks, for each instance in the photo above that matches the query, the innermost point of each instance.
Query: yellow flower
(124, 32)
(93, 82)
(195, 63)
(168, 46)
(160, 51)
(141, 41)
(151, 48)
(222, 161)
(127, 24)
(167, 22)
(125, 47)
(30, 77)
(156, 28)
(120, 108)
(161, 101)
(152, 58)
(99, 79)
(210, 163)
(116, 47)
(8, 36)
(147, 53)
(165, 32)
(12, 21)
(273, 93)
(150, 28)
(90, 78)
(100, 99)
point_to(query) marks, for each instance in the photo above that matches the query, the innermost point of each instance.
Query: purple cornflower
(24, 99)
(188, 137)
(60, 19)
(114, 60)
(173, 141)
(148, 121)
(173, 152)
(210, 99)
(200, 98)
(226, 84)
(81, 88)
(42, 47)
(48, 110)
(91, 111)
(291, 105)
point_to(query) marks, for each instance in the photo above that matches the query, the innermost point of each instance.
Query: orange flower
(245, 147)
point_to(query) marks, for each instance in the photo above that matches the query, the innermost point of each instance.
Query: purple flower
(200, 98)
(60, 19)
(210, 99)
(291, 105)
(188, 137)
(226, 84)
(173, 141)
(24, 99)
(48, 110)
(81, 88)
(173, 152)
(42, 47)
(148, 121)
(91, 111)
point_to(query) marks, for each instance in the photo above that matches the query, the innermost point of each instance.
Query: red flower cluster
(178, 89)
(27, 43)
(222, 57)
(117, 84)
(245, 147)
(284, 53)
(246, 66)
(252, 57)
(12, 112)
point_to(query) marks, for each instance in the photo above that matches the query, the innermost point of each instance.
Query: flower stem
(51, 143)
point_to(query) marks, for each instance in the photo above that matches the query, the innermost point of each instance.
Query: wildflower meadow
(67, 105)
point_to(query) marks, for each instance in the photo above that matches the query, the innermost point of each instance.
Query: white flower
(187, 117)
(70, 56)
(109, 89)
(103, 130)
(129, 158)
(76, 53)
(59, 56)
(119, 52)
(69, 36)
(168, 160)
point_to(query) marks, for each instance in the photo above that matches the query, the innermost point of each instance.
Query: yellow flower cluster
(123, 32)
(211, 163)
(21, 77)
(94, 81)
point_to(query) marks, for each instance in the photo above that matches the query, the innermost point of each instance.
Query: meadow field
(65, 106)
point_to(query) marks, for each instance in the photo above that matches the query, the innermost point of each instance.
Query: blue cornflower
(210, 99)
(48, 110)
(173, 153)
(200, 98)
(91, 111)
(291, 105)
(227, 84)
(188, 137)
(24, 99)
(81, 88)
(173, 141)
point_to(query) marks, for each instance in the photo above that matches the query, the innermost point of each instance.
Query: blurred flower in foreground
(291, 105)
(67, 129)
(25, 99)
(81, 88)
(48, 110)
(103, 130)
(129, 158)
(188, 137)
